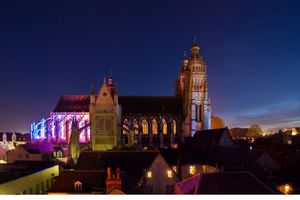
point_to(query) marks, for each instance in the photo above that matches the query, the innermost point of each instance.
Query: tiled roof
(22, 168)
(235, 156)
(132, 163)
(170, 155)
(130, 104)
(38, 148)
(92, 181)
(231, 183)
(209, 135)
(73, 103)
(151, 105)
(205, 139)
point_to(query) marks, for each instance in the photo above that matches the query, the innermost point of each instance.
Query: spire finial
(111, 72)
(104, 80)
(184, 53)
(195, 39)
(92, 88)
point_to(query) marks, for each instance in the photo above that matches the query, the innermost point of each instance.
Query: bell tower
(197, 108)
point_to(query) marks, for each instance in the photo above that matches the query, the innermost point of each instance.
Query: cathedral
(104, 120)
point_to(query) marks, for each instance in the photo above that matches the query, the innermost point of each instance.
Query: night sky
(51, 48)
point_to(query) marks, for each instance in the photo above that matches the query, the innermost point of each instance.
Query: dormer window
(149, 174)
(78, 186)
(169, 174)
(174, 168)
(192, 169)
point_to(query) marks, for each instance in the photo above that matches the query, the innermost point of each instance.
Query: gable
(266, 162)
(225, 139)
(104, 98)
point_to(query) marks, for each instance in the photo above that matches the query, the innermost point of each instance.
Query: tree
(254, 131)
(217, 122)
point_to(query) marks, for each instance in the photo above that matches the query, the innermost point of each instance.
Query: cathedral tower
(192, 86)
(104, 116)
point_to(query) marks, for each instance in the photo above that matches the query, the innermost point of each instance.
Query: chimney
(113, 181)
(109, 173)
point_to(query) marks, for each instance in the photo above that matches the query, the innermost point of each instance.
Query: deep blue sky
(51, 48)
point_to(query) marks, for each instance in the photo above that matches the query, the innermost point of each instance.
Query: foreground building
(34, 177)
(223, 183)
(106, 120)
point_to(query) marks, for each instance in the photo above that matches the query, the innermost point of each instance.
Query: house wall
(20, 154)
(37, 183)
(159, 183)
(8, 145)
(185, 170)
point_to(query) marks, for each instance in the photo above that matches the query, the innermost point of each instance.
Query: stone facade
(191, 85)
(104, 116)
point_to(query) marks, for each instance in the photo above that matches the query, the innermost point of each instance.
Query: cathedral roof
(150, 105)
(130, 104)
(73, 103)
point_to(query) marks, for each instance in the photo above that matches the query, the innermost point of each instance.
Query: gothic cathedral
(106, 120)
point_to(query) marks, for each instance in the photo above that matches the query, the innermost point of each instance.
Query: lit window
(125, 126)
(136, 126)
(174, 168)
(149, 174)
(78, 186)
(154, 127)
(145, 127)
(169, 174)
(192, 169)
(174, 127)
(165, 127)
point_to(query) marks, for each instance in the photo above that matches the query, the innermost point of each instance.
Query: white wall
(31, 184)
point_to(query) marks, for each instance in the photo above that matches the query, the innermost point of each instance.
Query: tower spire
(195, 39)
(92, 88)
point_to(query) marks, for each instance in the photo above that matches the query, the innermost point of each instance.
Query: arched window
(59, 154)
(145, 127)
(136, 126)
(125, 126)
(154, 127)
(78, 186)
(174, 127)
(164, 127)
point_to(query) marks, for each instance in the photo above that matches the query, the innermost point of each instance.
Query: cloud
(286, 113)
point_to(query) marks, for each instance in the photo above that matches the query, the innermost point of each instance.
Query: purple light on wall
(63, 129)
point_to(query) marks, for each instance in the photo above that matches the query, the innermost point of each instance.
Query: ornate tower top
(195, 52)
